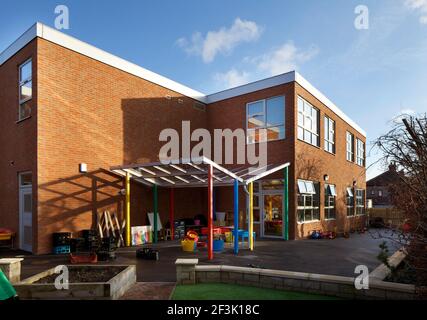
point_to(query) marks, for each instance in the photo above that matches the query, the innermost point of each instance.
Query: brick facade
(84, 111)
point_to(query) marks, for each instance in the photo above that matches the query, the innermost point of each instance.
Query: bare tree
(406, 146)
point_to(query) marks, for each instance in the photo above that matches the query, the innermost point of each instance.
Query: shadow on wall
(145, 118)
(70, 204)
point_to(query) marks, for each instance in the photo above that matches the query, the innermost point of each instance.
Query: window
(25, 89)
(308, 122)
(330, 195)
(25, 179)
(350, 202)
(360, 201)
(329, 135)
(308, 201)
(268, 114)
(350, 147)
(360, 153)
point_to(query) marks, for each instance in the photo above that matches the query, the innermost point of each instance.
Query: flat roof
(42, 31)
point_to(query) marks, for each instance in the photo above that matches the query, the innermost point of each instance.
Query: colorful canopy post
(286, 204)
(172, 212)
(127, 184)
(236, 216)
(251, 216)
(7, 291)
(155, 211)
(210, 212)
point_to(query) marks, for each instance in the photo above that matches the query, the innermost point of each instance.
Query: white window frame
(306, 116)
(360, 152)
(304, 185)
(329, 135)
(330, 193)
(349, 146)
(359, 196)
(22, 82)
(264, 114)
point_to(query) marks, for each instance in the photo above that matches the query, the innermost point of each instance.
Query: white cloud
(419, 5)
(278, 60)
(232, 78)
(285, 58)
(221, 41)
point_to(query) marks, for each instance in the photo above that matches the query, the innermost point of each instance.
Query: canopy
(193, 173)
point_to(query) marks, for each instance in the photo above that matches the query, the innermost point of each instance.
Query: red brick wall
(93, 113)
(18, 141)
(313, 163)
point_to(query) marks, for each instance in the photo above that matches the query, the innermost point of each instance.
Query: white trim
(64, 40)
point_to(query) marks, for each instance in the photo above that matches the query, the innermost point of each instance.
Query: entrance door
(26, 218)
(273, 215)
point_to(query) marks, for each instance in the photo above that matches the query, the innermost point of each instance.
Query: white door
(26, 218)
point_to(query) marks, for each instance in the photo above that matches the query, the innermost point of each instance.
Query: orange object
(192, 235)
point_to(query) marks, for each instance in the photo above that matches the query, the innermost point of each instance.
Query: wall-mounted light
(326, 177)
(82, 167)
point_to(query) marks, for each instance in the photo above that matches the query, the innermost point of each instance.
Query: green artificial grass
(221, 291)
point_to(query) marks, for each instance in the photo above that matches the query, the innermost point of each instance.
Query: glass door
(273, 215)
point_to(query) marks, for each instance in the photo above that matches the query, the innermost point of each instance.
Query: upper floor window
(267, 114)
(350, 202)
(329, 135)
(350, 146)
(308, 201)
(308, 122)
(25, 89)
(360, 152)
(330, 194)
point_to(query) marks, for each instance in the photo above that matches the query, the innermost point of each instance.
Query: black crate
(147, 254)
(61, 239)
(77, 245)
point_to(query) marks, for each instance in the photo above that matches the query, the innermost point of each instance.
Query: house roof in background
(69, 42)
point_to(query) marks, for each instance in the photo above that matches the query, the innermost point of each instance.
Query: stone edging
(189, 272)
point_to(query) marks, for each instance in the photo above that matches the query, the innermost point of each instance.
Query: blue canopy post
(236, 216)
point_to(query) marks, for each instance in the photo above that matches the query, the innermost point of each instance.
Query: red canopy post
(210, 212)
(172, 212)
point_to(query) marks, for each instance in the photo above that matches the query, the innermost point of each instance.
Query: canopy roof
(193, 173)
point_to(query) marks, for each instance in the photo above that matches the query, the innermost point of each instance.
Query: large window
(329, 135)
(360, 201)
(360, 152)
(308, 201)
(268, 114)
(350, 147)
(25, 89)
(330, 195)
(350, 202)
(308, 122)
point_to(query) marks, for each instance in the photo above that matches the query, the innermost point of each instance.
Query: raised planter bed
(85, 282)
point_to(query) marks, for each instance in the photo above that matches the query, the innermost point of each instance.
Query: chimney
(392, 167)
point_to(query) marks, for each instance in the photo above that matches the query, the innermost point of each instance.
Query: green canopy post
(156, 204)
(286, 204)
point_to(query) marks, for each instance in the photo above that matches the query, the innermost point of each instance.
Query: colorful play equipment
(192, 235)
(7, 235)
(188, 245)
(218, 245)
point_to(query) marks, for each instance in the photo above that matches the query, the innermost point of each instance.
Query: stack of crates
(91, 240)
(61, 242)
(107, 249)
(179, 229)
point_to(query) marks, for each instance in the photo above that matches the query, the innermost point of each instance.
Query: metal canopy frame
(198, 172)
(192, 173)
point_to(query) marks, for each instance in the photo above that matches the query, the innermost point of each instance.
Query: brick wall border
(189, 272)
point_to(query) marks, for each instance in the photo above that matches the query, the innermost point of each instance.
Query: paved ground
(338, 257)
(149, 291)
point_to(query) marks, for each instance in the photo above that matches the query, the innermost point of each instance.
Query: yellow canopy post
(128, 243)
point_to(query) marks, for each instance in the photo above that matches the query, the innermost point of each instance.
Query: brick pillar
(11, 267)
(186, 271)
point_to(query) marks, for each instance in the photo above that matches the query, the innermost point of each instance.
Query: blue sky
(373, 75)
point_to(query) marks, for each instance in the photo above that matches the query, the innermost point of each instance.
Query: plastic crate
(61, 239)
(61, 250)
